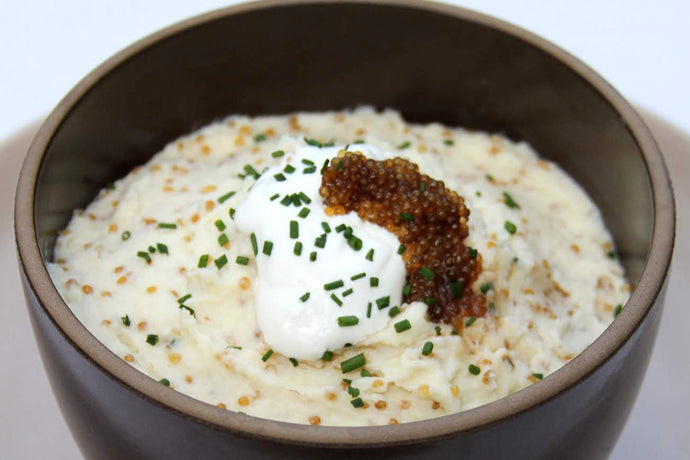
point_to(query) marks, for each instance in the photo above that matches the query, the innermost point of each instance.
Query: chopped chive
(242, 260)
(249, 169)
(611, 254)
(427, 273)
(223, 240)
(422, 186)
(329, 144)
(164, 382)
(303, 213)
(152, 339)
(225, 197)
(407, 216)
(304, 297)
(303, 196)
(279, 177)
(369, 310)
(313, 142)
(470, 321)
(255, 244)
(492, 306)
(357, 403)
(125, 235)
(297, 250)
(407, 290)
(373, 281)
(358, 276)
(509, 201)
(473, 253)
(449, 141)
(325, 165)
(231, 213)
(427, 348)
(294, 229)
(339, 165)
(365, 373)
(294, 362)
(125, 320)
(454, 331)
(358, 141)
(333, 285)
(431, 301)
(327, 355)
(162, 249)
(486, 287)
(275, 197)
(267, 355)
(352, 391)
(474, 370)
(456, 288)
(538, 376)
(347, 292)
(235, 347)
(144, 255)
(348, 232)
(277, 154)
(110, 186)
(353, 363)
(510, 227)
(184, 298)
(289, 169)
(241, 176)
(340, 228)
(326, 227)
(394, 311)
(295, 198)
(268, 247)
(438, 330)
(370, 255)
(478, 193)
(219, 225)
(260, 137)
(189, 310)
(203, 261)
(617, 310)
(168, 225)
(152, 249)
(346, 321)
(515, 260)
(383, 302)
(312, 256)
(401, 249)
(337, 300)
(402, 326)
(404, 145)
(221, 261)
(309, 170)
(307, 161)
(286, 200)
(490, 178)
(355, 243)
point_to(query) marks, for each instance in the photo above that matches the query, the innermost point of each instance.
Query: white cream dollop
(300, 328)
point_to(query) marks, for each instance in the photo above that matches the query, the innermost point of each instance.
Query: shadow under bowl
(432, 62)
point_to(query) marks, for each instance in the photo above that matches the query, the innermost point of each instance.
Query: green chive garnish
(352, 391)
(347, 292)
(303, 213)
(203, 261)
(268, 247)
(339, 165)
(427, 348)
(358, 141)
(242, 260)
(275, 197)
(164, 382)
(303, 196)
(492, 306)
(260, 137)
(474, 370)
(422, 186)
(448, 141)
(427, 273)
(510, 227)
(223, 240)
(515, 260)
(470, 321)
(221, 261)
(219, 225)
(313, 142)
(125, 235)
(490, 178)
(369, 310)
(294, 229)
(402, 326)
(327, 355)
(348, 232)
(401, 249)
(393, 311)
(373, 281)
(184, 298)
(312, 256)
(279, 177)
(144, 255)
(286, 200)
(309, 170)
(162, 249)
(456, 288)
(189, 310)
(289, 169)
(383, 302)
(346, 321)
(307, 161)
(355, 243)
(617, 310)
(340, 228)
(266, 355)
(337, 300)
(277, 154)
(365, 373)
(305, 297)
(231, 213)
(333, 285)
(438, 330)
(407, 216)
(235, 347)
(611, 254)
(538, 376)
(249, 169)
(509, 201)
(152, 339)
(297, 250)
(325, 165)
(225, 197)
(357, 403)
(358, 276)
(404, 145)
(152, 249)
(255, 244)
(407, 290)
(110, 186)
(473, 253)
(326, 227)
(125, 320)
(168, 225)
(370, 255)
(294, 362)
(431, 301)
(486, 287)
(295, 198)
(353, 363)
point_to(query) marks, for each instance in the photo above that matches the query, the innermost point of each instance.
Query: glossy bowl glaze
(433, 63)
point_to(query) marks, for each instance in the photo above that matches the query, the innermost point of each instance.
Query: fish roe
(428, 219)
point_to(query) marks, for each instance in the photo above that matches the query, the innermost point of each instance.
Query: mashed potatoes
(158, 269)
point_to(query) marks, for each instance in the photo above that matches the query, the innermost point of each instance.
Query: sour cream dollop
(307, 296)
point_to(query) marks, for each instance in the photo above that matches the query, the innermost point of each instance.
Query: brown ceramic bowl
(430, 61)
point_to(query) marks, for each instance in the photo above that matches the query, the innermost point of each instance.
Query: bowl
(432, 62)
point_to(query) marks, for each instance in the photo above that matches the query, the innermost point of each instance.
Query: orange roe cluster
(429, 220)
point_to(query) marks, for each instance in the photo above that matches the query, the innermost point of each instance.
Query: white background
(641, 47)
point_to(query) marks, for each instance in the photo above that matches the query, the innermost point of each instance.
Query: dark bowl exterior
(433, 63)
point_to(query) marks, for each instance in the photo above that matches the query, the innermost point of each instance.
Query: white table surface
(640, 47)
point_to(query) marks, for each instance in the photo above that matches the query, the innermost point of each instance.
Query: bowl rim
(599, 352)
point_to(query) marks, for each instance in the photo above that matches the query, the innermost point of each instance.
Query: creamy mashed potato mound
(158, 270)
